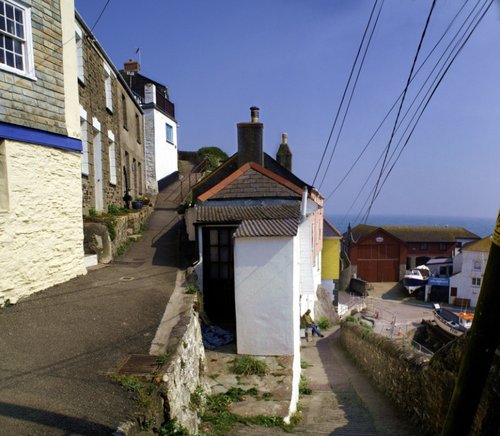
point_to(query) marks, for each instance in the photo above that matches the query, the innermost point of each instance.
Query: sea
(480, 226)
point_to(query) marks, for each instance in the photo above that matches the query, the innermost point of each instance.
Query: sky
(292, 59)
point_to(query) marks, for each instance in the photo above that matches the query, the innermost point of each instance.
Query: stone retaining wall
(422, 387)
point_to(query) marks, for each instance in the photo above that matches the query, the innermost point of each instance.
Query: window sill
(22, 74)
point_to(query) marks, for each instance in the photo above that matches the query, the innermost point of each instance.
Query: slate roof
(417, 233)
(483, 245)
(231, 165)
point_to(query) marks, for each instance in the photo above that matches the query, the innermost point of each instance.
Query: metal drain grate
(137, 364)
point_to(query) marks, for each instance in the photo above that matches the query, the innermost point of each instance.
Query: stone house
(384, 253)
(160, 125)
(259, 232)
(41, 232)
(468, 271)
(111, 122)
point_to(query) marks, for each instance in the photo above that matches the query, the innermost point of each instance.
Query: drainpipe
(303, 206)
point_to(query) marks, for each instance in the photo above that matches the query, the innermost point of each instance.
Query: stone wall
(98, 239)
(420, 386)
(38, 104)
(41, 237)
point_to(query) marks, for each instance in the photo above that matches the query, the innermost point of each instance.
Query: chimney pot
(254, 113)
(284, 138)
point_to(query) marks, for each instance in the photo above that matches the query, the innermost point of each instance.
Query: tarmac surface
(57, 345)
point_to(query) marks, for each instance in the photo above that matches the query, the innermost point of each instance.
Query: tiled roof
(482, 245)
(417, 233)
(262, 228)
(220, 214)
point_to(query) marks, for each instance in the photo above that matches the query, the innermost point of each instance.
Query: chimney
(284, 155)
(149, 93)
(250, 140)
(131, 67)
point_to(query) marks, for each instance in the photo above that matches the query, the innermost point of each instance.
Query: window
(443, 246)
(85, 141)
(4, 189)
(477, 264)
(476, 281)
(138, 128)
(108, 88)
(424, 246)
(112, 158)
(124, 110)
(169, 133)
(79, 55)
(16, 51)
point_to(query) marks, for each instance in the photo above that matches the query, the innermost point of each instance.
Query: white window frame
(169, 129)
(108, 87)
(476, 281)
(26, 41)
(85, 142)
(80, 70)
(112, 158)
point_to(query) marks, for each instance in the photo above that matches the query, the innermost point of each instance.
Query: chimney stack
(131, 67)
(284, 155)
(250, 148)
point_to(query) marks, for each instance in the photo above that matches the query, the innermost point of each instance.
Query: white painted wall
(41, 231)
(165, 152)
(267, 319)
(463, 280)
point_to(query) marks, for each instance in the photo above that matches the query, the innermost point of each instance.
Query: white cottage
(468, 271)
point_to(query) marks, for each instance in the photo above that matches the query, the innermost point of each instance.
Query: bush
(214, 156)
(324, 323)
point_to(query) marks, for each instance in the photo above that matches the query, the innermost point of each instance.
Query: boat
(416, 278)
(453, 323)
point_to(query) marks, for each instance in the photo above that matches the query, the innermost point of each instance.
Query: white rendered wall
(463, 280)
(266, 315)
(165, 152)
(41, 232)
(307, 274)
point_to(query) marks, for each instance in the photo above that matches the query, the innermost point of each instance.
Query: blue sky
(292, 58)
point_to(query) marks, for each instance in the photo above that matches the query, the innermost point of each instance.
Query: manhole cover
(137, 364)
(127, 279)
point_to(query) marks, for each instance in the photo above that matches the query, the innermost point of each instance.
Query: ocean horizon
(480, 226)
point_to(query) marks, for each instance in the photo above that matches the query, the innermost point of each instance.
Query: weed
(304, 364)
(123, 248)
(324, 323)
(197, 398)
(192, 289)
(173, 428)
(129, 382)
(303, 386)
(161, 359)
(267, 396)
(248, 365)
(92, 212)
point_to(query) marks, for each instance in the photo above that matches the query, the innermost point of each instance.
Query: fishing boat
(416, 278)
(453, 323)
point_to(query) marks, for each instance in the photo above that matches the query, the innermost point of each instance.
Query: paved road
(56, 346)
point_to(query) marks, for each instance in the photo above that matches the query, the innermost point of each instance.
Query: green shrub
(324, 323)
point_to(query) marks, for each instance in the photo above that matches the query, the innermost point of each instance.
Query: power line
(353, 165)
(345, 90)
(100, 15)
(401, 106)
(351, 94)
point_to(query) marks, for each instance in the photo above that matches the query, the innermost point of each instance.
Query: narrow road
(57, 346)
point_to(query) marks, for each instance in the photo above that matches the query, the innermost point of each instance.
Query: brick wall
(39, 103)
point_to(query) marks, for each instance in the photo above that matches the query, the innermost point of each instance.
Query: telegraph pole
(482, 342)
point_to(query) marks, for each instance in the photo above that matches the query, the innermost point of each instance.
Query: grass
(218, 420)
(248, 365)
